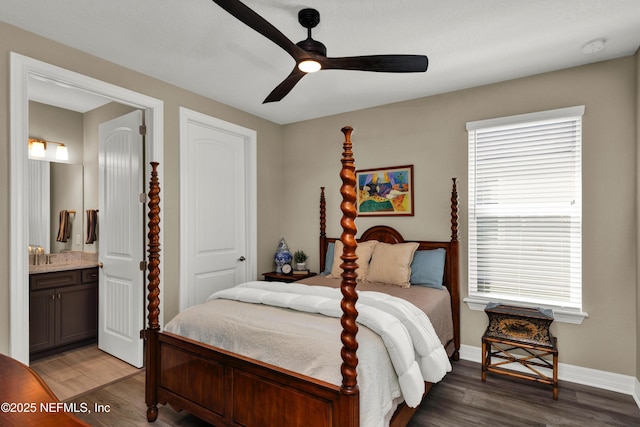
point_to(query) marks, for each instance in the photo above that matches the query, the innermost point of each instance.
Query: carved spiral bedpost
(455, 297)
(154, 250)
(153, 296)
(323, 228)
(349, 296)
(454, 210)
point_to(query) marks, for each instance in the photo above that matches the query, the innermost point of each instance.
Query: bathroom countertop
(48, 268)
(74, 260)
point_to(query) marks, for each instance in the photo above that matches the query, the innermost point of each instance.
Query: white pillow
(391, 263)
(363, 251)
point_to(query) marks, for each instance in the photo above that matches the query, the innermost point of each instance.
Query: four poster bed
(280, 363)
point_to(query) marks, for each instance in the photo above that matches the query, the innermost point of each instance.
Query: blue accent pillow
(427, 268)
(328, 259)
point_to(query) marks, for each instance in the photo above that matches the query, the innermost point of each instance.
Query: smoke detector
(593, 46)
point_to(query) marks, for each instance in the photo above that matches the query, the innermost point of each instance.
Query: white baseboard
(591, 377)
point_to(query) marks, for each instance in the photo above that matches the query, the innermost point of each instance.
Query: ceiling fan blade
(285, 87)
(244, 14)
(378, 63)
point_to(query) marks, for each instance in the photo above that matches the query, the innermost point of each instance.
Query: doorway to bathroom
(23, 71)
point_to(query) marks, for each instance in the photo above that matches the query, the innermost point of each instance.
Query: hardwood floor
(77, 371)
(460, 400)
(125, 400)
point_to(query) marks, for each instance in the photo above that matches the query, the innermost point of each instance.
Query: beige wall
(637, 56)
(268, 147)
(295, 160)
(430, 134)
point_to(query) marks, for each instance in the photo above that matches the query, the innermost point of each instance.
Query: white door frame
(251, 194)
(21, 68)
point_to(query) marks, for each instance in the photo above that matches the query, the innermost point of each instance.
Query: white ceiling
(198, 46)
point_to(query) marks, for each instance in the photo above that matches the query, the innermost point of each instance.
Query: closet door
(216, 209)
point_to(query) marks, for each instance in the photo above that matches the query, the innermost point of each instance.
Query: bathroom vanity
(63, 309)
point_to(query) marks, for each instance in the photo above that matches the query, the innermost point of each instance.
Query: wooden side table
(525, 330)
(272, 276)
(28, 401)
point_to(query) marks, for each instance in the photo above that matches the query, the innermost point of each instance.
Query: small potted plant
(300, 258)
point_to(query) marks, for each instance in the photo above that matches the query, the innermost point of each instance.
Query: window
(525, 209)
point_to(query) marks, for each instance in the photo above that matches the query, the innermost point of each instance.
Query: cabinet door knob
(242, 258)
(101, 265)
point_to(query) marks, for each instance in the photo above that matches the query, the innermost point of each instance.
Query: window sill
(559, 315)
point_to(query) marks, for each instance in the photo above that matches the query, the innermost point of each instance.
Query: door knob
(242, 258)
(101, 265)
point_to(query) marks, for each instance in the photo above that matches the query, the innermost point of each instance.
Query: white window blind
(525, 208)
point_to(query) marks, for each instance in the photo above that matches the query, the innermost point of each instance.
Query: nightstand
(272, 276)
(520, 335)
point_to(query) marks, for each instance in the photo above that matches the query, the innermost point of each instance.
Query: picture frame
(385, 191)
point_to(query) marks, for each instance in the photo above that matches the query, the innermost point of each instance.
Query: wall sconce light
(62, 153)
(38, 150)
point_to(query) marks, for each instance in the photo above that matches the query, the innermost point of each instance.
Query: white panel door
(121, 238)
(214, 211)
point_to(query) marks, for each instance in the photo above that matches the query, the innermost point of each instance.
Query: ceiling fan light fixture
(311, 55)
(309, 66)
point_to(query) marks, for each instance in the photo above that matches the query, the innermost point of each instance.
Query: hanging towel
(92, 224)
(64, 229)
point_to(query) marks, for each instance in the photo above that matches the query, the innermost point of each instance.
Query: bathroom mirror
(56, 187)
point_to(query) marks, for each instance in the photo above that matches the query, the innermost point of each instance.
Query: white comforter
(413, 348)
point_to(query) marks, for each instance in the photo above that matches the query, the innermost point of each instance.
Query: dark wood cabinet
(41, 320)
(63, 310)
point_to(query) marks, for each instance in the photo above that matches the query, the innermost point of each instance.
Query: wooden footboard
(226, 389)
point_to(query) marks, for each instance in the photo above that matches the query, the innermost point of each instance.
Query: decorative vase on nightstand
(282, 256)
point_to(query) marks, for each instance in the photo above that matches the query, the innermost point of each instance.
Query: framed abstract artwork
(385, 191)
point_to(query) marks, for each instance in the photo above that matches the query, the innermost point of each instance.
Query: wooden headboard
(386, 234)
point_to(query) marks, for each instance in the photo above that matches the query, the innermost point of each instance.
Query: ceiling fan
(310, 54)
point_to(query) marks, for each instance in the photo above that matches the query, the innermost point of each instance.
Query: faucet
(36, 251)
